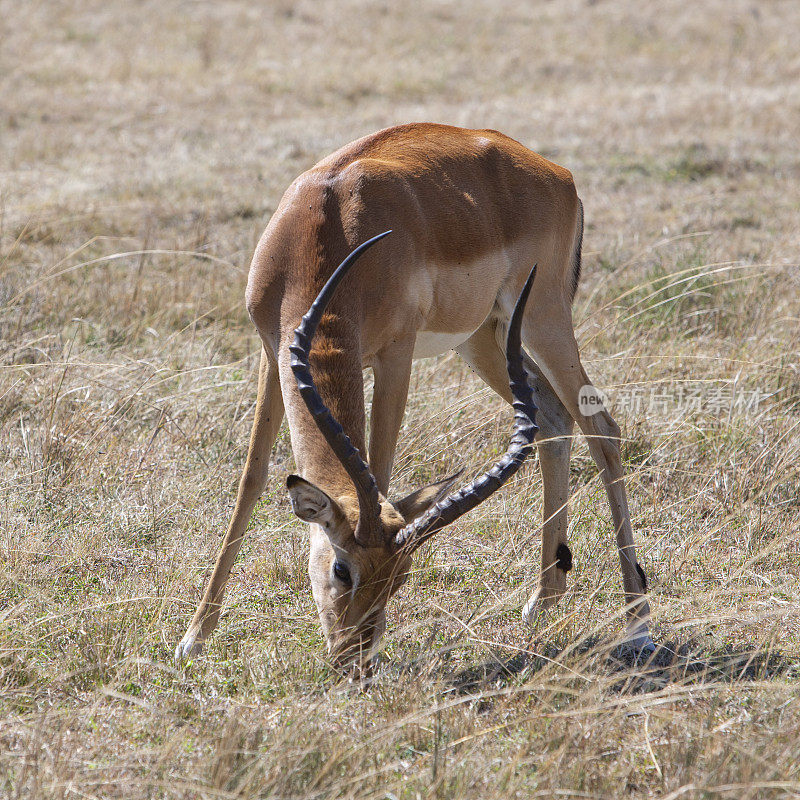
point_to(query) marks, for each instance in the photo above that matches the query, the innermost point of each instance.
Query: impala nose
(352, 655)
(353, 652)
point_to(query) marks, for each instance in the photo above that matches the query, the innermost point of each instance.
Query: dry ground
(143, 147)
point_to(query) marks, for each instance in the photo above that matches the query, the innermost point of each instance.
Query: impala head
(361, 544)
(352, 581)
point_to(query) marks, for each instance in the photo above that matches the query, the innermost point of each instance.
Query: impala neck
(337, 372)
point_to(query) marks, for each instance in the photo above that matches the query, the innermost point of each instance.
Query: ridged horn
(369, 511)
(465, 499)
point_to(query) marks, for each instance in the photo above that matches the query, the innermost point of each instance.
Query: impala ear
(417, 503)
(309, 502)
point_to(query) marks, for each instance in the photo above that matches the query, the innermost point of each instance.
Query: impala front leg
(267, 421)
(392, 371)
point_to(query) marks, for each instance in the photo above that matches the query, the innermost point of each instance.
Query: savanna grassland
(143, 147)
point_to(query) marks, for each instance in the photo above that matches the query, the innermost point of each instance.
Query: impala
(472, 212)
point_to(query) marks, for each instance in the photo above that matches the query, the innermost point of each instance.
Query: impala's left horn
(368, 530)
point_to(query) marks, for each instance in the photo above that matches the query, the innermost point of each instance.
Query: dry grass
(143, 147)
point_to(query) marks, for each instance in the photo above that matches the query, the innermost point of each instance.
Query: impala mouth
(354, 655)
(353, 661)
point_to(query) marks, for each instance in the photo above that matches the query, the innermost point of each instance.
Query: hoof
(541, 600)
(641, 644)
(189, 647)
(535, 610)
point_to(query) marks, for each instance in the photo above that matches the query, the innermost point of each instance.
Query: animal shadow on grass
(673, 662)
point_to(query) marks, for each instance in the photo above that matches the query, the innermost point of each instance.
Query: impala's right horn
(368, 529)
(465, 499)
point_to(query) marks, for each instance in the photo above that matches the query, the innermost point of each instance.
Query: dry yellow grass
(142, 149)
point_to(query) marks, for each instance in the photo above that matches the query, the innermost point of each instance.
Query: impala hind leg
(551, 339)
(554, 439)
(267, 421)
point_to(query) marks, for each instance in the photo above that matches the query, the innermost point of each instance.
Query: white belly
(431, 343)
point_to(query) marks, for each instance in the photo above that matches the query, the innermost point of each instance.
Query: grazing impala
(472, 211)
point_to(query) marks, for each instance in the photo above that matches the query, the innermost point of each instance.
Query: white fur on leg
(191, 645)
(638, 638)
(534, 610)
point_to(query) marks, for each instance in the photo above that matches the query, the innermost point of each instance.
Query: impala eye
(342, 572)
